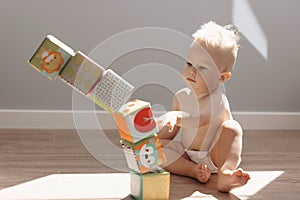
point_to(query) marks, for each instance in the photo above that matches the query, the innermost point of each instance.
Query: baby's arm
(166, 132)
(176, 119)
(192, 120)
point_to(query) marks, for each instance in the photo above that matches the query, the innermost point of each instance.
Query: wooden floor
(29, 154)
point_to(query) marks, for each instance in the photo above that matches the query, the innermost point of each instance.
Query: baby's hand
(169, 119)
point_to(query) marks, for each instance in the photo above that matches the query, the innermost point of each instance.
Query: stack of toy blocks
(104, 87)
(134, 119)
(143, 150)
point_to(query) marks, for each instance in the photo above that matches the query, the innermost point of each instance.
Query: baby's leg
(227, 155)
(178, 162)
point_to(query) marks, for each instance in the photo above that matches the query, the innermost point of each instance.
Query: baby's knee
(232, 126)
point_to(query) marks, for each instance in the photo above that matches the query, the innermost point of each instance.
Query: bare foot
(202, 173)
(232, 179)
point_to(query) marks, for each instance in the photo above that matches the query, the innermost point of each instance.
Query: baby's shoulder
(218, 94)
(183, 92)
(185, 98)
(220, 99)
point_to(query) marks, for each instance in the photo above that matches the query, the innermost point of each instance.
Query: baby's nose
(193, 71)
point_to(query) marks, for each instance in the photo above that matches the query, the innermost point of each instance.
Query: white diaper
(202, 157)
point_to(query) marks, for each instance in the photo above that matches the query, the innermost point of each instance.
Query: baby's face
(200, 72)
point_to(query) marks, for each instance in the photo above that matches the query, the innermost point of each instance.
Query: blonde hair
(221, 41)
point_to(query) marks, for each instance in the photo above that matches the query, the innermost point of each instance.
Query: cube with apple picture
(135, 121)
(145, 155)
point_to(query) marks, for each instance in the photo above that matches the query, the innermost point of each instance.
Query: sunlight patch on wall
(246, 22)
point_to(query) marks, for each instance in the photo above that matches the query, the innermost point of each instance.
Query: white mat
(110, 186)
(71, 186)
(259, 180)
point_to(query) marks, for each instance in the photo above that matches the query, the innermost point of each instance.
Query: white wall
(256, 85)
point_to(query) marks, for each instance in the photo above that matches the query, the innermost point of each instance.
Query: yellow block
(150, 186)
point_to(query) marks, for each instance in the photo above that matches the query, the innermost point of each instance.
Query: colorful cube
(111, 92)
(150, 186)
(82, 73)
(144, 156)
(135, 121)
(51, 57)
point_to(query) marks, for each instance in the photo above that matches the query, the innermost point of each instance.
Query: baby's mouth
(191, 80)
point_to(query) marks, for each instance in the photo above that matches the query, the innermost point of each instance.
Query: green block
(82, 73)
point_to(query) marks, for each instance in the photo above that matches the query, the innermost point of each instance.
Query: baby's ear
(225, 76)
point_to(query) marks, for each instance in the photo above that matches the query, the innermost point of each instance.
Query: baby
(211, 141)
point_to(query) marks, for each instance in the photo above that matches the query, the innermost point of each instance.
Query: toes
(247, 176)
(244, 181)
(203, 173)
(202, 167)
(238, 172)
(203, 178)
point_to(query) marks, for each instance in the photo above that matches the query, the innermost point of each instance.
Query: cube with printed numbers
(82, 73)
(111, 92)
(144, 156)
(135, 121)
(150, 186)
(51, 57)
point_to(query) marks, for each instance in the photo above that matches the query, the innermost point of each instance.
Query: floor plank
(29, 154)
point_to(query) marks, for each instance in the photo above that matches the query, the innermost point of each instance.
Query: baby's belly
(192, 139)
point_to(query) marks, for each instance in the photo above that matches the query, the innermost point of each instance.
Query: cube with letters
(111, 92)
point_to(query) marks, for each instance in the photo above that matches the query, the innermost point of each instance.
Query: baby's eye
(189, 64)
(202, 68)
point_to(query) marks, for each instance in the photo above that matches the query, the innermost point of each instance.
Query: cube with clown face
(135, 121)
(145, 155)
